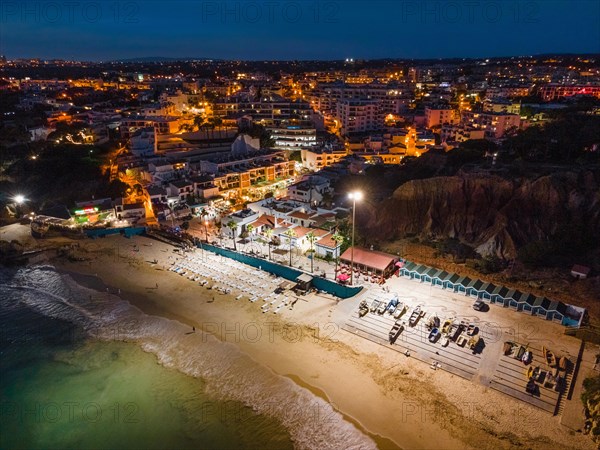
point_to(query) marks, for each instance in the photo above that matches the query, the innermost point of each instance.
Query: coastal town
(302, 195)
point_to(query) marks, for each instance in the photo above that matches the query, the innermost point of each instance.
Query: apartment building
(502, 106)
(317, 159)
(359, 116)
(555, 91)
(436, 116)
(163, 125)
(460, 133)
(495, 125)
(293, 137)
(393, 97)
(270, 109)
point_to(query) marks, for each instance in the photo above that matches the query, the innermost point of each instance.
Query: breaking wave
(228, 373)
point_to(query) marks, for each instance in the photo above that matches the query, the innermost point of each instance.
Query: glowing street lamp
(19, 199)
(354, 196)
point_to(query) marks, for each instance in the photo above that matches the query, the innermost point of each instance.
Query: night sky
(280, 29)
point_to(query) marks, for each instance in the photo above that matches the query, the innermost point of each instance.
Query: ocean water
(84, 369)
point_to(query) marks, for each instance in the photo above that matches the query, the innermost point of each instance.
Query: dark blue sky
(302, 29)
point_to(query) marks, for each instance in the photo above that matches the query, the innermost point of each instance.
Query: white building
(318, 159)
(143, 142)
(293, 137)
(241, 218)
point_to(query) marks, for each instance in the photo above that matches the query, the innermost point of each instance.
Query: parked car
(480, 305)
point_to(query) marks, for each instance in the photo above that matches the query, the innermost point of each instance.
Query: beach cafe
(369, 265)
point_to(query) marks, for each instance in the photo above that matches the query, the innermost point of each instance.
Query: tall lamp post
(354, 196)
(171, 206)
(19, 199)
(206, 229)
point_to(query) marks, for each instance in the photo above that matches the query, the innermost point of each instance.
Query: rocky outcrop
(494, 214)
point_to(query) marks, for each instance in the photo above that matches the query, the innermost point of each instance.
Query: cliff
(495, 215)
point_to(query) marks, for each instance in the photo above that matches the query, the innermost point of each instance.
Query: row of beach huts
(543, 307)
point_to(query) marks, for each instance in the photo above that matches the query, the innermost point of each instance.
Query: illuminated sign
(88, 210)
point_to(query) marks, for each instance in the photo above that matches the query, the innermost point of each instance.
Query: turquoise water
(113, 395)
(60, 389)
(82, 369)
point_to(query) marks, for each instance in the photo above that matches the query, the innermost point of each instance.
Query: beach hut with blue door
(541, 306)
(475, 287)
(556, 311)
(420, 271)
(499, 295)
(488, 290)
(409, 269)
(462, 284)
(528, 301)
(431, 274)
(451, 280)
(513, 297)
(439, 278)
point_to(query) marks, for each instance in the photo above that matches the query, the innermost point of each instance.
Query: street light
(206, 229)
(354, 196)
(19, 199)
(171, 206)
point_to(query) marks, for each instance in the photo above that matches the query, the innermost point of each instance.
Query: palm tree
(290, 235)
(250, 229)
(311, 238)
(232, 225)
(269, 234)
(338, 239)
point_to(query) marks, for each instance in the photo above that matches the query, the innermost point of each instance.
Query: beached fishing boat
(395, 331)
(445, 341)
(527, 357)
(414, 316)
(363, 309)
(446, 326)
(434, 335)
(508, 346)
(473, 341)
(392, 305)
(374, 305)
(563, 363)
(549, 382)
(549, 357)
(472, 329)
(400, 310)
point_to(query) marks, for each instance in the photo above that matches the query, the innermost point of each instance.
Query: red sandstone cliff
(494, 214)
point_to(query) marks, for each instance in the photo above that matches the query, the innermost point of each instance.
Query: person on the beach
(156, 285)
(194, 329)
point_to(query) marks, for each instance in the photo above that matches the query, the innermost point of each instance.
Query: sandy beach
(399, 401)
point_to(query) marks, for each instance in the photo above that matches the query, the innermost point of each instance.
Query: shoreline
(368, 385)
(96, 283)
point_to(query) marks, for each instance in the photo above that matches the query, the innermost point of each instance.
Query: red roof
(328, 242)
(578, 268)
(369, 258)
(299, 215)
